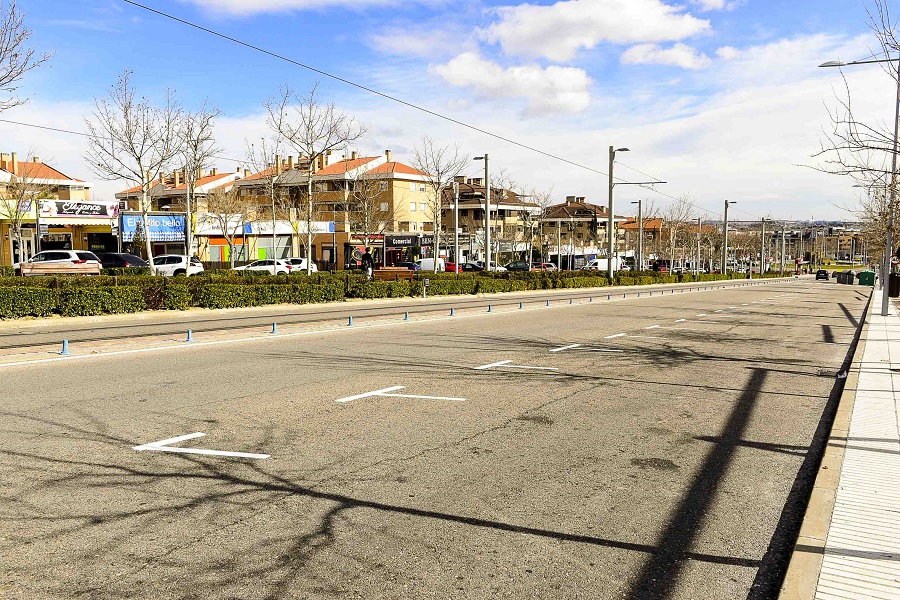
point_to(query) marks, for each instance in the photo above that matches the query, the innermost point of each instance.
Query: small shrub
(81, 301)
(16, 302)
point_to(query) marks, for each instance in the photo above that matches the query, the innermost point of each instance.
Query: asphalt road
(655, 464)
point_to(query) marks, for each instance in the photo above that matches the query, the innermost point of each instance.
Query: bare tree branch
(16, 57)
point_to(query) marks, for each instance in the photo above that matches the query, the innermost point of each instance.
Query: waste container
(845, 278)
(867, 278)
(894, 286)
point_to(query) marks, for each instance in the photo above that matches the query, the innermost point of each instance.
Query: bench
(393, 274)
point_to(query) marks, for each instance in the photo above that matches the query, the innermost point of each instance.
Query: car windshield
(86, 256)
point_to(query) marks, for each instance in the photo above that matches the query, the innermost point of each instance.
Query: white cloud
(728, 53)
(679, 55)
(559, 31)
(251, 7)
(711, 4)
(409, 41)
(551, 89)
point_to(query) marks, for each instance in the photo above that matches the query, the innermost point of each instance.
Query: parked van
(427, 264)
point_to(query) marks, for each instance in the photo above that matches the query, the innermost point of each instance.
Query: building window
(422, 206)
(464, 212)
(421, 187)
(412, 207)
(412, 186)
(384, 206)
(383, 186)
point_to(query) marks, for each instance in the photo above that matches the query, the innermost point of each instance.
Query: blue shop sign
(163, 228)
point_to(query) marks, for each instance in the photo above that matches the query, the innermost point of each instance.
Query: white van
(427, 264)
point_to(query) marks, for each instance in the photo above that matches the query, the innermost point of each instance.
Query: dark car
(409, 265)
(518, 265)
(822, 274)
(121, 260)
(471, 267)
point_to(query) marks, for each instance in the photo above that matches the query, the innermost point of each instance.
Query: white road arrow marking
(165, 446)
(617, 335)
(506, 365)
(386, 393)
(569, 347)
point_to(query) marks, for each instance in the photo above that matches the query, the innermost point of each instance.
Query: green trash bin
(867, 278)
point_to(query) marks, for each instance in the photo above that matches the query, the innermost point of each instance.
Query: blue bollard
(624, 295)
(65, 348)
(489, 308)
(590, 298)
(190, 337)
(639, 294)
(452, 311)
(274, 327)
(548, 303)
(570, 301)
(521, 306)
(609, 296)
(350, 321)
(406, 316)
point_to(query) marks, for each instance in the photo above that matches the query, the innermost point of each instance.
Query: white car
(269, 265)
(299, 264)
(50, 262)
(177, 264)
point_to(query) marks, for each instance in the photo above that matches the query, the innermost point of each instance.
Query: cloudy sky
(720, 98)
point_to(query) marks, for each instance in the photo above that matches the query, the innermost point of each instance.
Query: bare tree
(314, 129)
(198, 148)
(440, 165)
(544, 200)
(227, 211)
(370, 209)
(22, 193)
(263, 159)
(675, 220)
(132, 139)
(16, 56)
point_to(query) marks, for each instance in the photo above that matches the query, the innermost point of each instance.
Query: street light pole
(699, 232)
(456, 224)
(611, 221)
(762, 246)
(889, 242)
(725, 239)
(782, 249)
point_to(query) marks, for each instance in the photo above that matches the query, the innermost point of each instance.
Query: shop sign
(401, 241)
(427, 240)
(66, 208)
(163, 228)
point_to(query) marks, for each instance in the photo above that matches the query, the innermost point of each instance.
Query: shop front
(77, 225)
(166, 233)
(402, 247)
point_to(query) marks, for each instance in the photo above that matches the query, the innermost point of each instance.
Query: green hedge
(111, 293)
(37, 302)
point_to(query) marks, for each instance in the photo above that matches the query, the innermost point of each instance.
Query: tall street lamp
(725, 238)
(640, 256)
(889, 242)
(487, 212)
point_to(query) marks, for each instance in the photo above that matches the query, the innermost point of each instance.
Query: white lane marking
(718, 311)
(616, 335)
(496, 364)
(506, 365)
(702, 315)
(385, 393)
(732, 307)
(745, 304)
(681, 320)
(602, 350)
(650, 337)
(165, 446)
(569, 347)
(269, 337)
(653, 327)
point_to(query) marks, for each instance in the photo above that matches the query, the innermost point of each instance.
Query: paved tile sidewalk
(862, 551)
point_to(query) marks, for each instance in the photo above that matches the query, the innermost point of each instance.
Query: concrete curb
(802, 575)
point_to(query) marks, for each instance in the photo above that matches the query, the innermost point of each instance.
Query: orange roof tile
(395, 167)
(137, 188)
(204, 180)
(342, 166)
(648, 224)
(264, 173)
(39, 170)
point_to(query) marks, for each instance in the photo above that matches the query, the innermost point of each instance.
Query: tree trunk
(145, 209)
(309, 216)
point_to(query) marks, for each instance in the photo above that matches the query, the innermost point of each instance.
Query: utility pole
(725, 239)
(456, 224)
(487, 212)
(762, 246)
(611, 220)
(640, 254)
(699, 231)
(559, 245)
(782, 249)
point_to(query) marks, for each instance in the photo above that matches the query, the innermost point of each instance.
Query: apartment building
(42, 208)
(578, 228)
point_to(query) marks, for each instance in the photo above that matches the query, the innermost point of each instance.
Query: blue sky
(721, 98)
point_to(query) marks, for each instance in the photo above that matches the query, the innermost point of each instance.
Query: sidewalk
(849, 544)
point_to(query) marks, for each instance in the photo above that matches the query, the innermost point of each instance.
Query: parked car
(299, 264)
(59, 262)
(177, 264)
(494, 266)
(409, 265)
(543, 266)
(269, 265)
(451, 267)
(470, 267)
(518, 265)
(822, 274)
(121, 260)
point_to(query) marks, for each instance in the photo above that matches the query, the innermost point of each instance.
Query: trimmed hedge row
(113, 294)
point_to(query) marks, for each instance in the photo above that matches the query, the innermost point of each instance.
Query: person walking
(368, 263)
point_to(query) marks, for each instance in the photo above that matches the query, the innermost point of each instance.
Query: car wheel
(179, 272)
